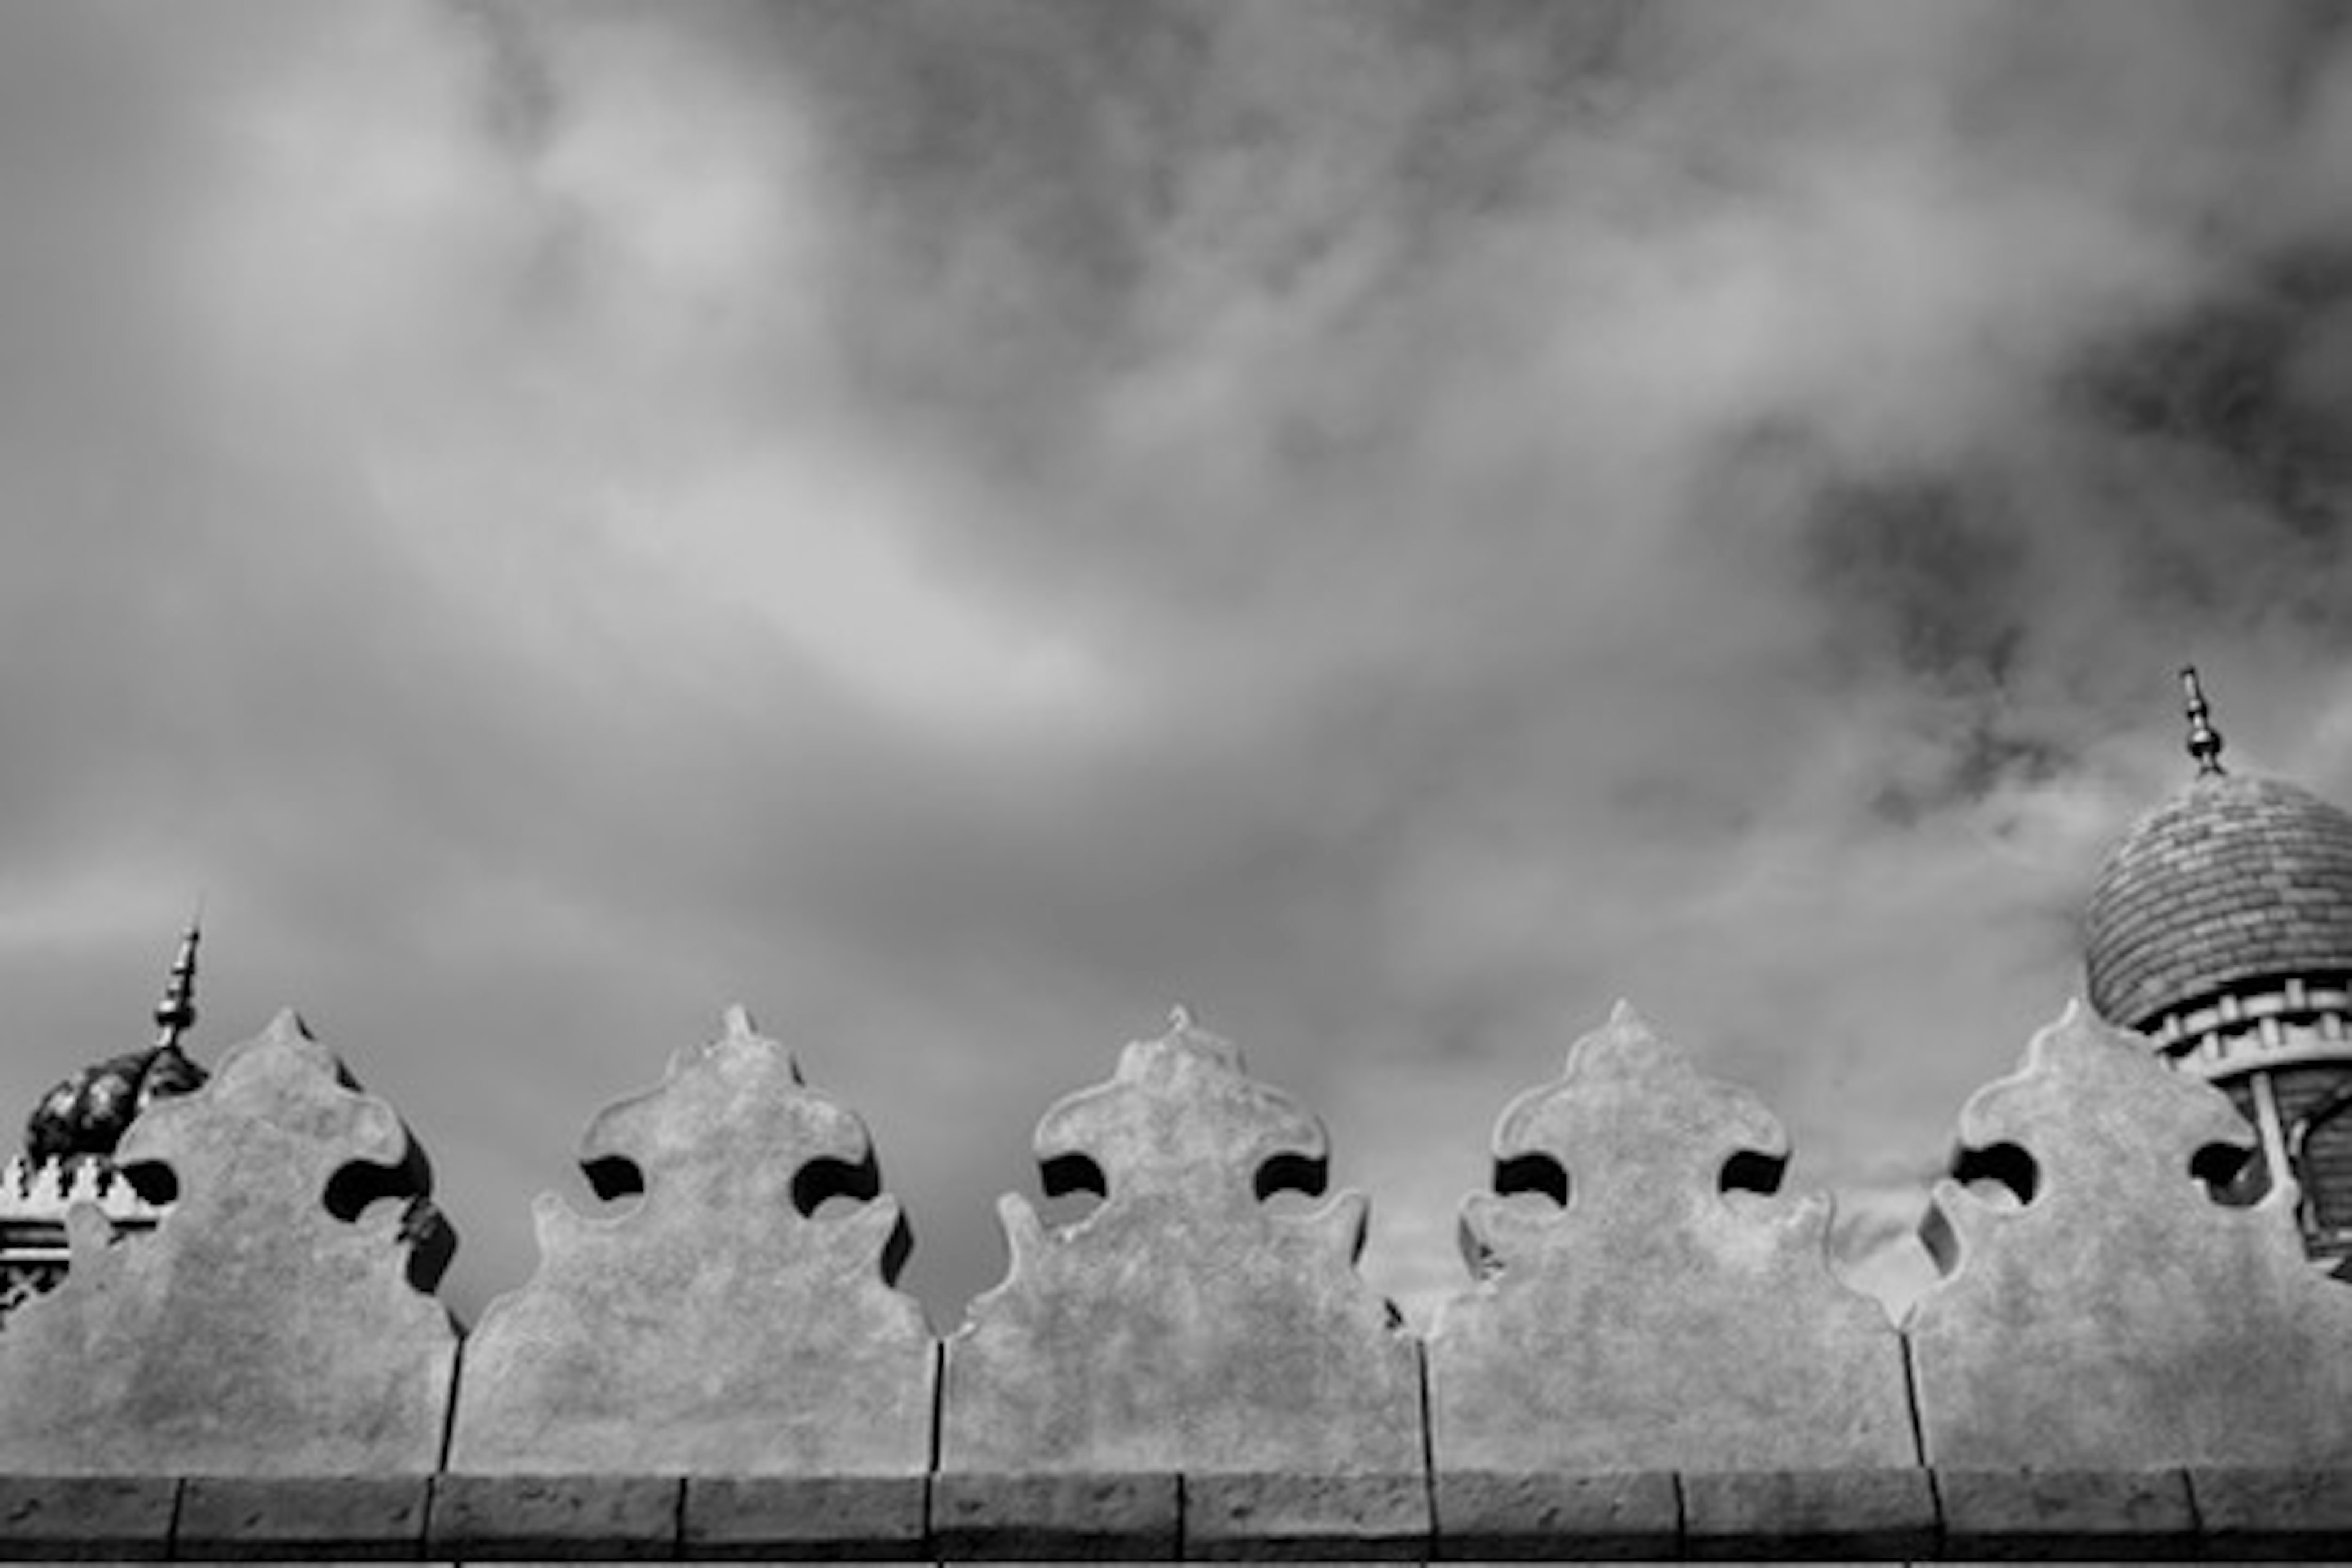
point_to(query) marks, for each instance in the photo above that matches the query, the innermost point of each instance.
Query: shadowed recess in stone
(1666, 1308)
(728, 1321)
(2119, 1315)
(1195, 1320)
(276, 1321)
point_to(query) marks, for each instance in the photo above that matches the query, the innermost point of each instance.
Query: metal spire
(2204, 741)
(175, 1014)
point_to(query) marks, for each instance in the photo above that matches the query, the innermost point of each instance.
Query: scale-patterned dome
(87, 1115)
(89, 1112)
(2233, 880)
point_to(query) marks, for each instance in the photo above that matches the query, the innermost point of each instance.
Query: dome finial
(175, 1014)
(2204, 741)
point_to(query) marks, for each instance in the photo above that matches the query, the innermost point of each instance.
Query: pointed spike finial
(175, 1014)
(2204, 741)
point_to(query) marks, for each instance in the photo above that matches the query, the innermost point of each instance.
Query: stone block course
(2254, 1514)
(1289, 1515)
(1133, 1516)
(563, 1517)
(2120, 1515)
(1857, 1513)
(771, 1518)
(86, 1518)
(302, 1518)
(1500, 1515)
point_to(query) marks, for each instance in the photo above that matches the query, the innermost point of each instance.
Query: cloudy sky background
(960, 525)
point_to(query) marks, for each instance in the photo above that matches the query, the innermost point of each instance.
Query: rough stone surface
(717, 1325)
(86, 1518)
(1550, 1515)
(1657, 1321)
(2121, 1317)
(358, 1518)
(1050, 1518)
(1865, 1514)
(2255, 1514)
(840, 1518)
(2128, 1515)
(1286, 1515)
(1183, 1325)
(253, 1331)
(563, 1518)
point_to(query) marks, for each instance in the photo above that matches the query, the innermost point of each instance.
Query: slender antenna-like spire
(175, 1014)
(2204, 741)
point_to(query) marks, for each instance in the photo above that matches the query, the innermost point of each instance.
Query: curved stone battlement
(1649, 1354)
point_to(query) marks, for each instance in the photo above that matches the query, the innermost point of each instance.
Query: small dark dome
(2235, 879)
(89, 1112)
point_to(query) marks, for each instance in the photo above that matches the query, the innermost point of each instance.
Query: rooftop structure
(72, 1133)
(2221, 927)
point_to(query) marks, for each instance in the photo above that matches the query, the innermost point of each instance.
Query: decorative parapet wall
(718, 1326)
(1650, 1357)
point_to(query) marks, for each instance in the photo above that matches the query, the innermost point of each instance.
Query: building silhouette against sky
(2219, 926)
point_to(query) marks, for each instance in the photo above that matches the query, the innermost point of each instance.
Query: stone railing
(1652, 1358)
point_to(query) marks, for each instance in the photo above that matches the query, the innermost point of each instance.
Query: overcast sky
(961, 525)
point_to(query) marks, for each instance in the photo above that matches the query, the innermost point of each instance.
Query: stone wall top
(720, 1323)
(1183, 1325)
(1645, 1298)
(2103, 1308)
(276, 1321)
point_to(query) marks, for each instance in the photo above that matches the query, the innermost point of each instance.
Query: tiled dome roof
(2234, 879)
(89, 1112)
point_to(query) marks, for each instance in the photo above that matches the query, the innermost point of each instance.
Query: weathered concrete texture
(1183, 1325)
(2128, 1516)
(1865, 1514)
(1506, 1516)
(253, 1332)
(791, 1517)
(122, 1519)
(1285, 1516)
(1656, 1323)
(2121, 1317)
(715, 1326)
(2252, 1515)
(302, 1518)
(1128, 1517)
(561, 1517)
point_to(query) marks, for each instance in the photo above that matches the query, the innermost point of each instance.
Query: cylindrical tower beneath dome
(2221, 927)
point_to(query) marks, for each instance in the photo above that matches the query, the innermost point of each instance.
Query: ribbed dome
(89, 1112)
(2234, 879)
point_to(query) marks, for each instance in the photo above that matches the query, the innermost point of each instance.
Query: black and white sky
(961, 523)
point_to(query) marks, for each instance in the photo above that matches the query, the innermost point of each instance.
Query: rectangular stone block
(1861, 1513)
(2250, 1513)
(840, 1518)
(1282, 1516)
(2124, 1515)
(86, 1518)
(563, 1518)
(297, 1519)
(1504, 1515)
(1055, 1517)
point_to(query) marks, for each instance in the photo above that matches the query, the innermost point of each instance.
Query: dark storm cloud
(962, 524)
